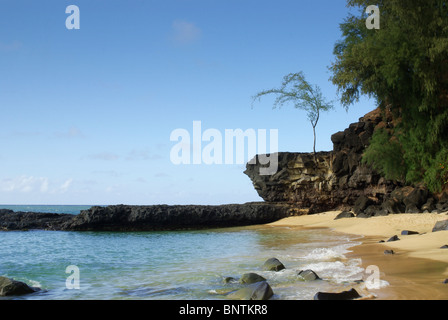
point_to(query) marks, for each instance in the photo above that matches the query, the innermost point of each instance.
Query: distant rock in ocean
(11, 220)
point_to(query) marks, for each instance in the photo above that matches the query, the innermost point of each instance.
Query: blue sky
(86, 115)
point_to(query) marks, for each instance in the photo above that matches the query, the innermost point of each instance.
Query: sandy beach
(418, 267)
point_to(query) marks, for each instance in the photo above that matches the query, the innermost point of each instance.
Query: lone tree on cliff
(303, 95)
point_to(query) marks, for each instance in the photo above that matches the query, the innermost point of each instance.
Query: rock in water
(273, 264)
(249, 278)
(256, 291)
(345, 295)
(308, 275)
(10, 287)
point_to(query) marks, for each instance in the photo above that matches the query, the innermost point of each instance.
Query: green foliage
(404, 66)
(384, 156)
(297, 90)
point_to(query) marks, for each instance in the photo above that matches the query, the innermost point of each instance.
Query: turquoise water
(176, 265)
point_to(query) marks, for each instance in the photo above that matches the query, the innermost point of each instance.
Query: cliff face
(331, 180)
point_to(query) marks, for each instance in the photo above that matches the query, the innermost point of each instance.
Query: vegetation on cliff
(404, 66)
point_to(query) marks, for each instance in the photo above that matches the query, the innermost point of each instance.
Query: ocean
(173, 265)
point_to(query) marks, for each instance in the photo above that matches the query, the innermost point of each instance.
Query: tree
(303, 95)
(404, 66)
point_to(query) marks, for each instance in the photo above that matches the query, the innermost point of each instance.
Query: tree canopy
(297, 90)
(404, 66)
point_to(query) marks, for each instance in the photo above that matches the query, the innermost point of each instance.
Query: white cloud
(24, 184)
(30, 184)
(185, 32)
(65, 186)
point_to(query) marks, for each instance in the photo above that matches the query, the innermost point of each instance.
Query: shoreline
(417, 269)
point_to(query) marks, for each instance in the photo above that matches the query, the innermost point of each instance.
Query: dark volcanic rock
(332, 180)
(273, 264)
(345, 295)
(10, 220)
(256, 291)
(10, 287)
(408, 233)
(308, 275)
(345, 214)
(180, 217)
(394, 238)
(441, 226)
(249, 278)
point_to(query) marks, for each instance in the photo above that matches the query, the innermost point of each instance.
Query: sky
(87, 114)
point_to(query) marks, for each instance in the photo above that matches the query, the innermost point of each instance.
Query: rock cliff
(338, 180)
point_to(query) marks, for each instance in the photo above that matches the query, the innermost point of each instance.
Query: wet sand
(418, 268)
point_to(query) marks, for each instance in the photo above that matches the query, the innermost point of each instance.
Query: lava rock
(394, 238)
(345, 295)
(308, 275)
(273, 264)
(408, 233)
(440, 226)
(256, 291)
(249, 278)
(344, 214)
(10, 287)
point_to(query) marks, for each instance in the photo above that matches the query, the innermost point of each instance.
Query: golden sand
(419, 266)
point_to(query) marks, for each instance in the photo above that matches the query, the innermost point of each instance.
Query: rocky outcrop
(327, 180)
(180, 217)
(339, 180)
(10, 220)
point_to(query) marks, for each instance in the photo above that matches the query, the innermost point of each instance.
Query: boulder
(408, 232)
(429, 205)
(393, 206)
(229, 279)
(440, 226)
(249, 278)
(361, 204)
(394, 238)
(273, 264)
(308, 275)
(416, 198)
(345, 295)
(389, 252)
(256, 291)
(344, 214)
(10, 287)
